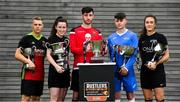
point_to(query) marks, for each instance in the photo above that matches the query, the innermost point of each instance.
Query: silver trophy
(125, 51)
(60, 50)
(159, 50)
(29, 53)
(98, 48)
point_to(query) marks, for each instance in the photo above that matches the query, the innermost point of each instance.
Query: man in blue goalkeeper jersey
(124, 70)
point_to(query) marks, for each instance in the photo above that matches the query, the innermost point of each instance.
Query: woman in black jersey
(153, 48)
(57, 55)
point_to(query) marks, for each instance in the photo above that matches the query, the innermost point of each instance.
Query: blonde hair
(37, 18)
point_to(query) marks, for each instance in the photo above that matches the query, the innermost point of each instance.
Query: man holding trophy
(31, 52)
(81, 45)
(122, 46)
(153, 48)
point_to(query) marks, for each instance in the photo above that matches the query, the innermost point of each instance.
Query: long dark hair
(144, 30)
(58, 19)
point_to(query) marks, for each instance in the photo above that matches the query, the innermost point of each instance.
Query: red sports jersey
(38, 73)
(78, 36)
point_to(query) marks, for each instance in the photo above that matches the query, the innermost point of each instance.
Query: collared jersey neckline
(36, 37)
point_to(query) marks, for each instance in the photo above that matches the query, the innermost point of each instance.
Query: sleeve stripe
(72, 32)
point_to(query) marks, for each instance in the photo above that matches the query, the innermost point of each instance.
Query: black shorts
(152, 79)
(60, 80)
(75, 80)
(32, 88)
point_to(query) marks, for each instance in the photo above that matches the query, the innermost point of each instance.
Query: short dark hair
(87, 10)
(120, 16)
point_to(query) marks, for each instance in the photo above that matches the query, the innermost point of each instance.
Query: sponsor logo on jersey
(126, 38)
(88, 37)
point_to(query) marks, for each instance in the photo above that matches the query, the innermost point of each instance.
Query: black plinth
(96, 81)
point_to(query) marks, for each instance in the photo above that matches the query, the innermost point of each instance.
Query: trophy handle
(33, 50)
(27, 65)
(104, 47)
(66, 41)
(84, 49)
(153, 57)
(47, 45)
(138, 62)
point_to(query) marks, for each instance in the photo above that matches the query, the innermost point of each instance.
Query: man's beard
(88, 22)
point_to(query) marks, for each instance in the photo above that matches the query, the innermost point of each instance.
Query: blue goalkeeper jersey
(129, 38)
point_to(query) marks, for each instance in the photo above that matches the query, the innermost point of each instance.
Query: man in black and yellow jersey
(31, 51)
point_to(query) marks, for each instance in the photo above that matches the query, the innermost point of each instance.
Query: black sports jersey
(55, 39)
(147, 44)
(28, 41)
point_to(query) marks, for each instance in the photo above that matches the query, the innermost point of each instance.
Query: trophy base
(64, 64)
(148, 63)
(29, 68)
(96, 61)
